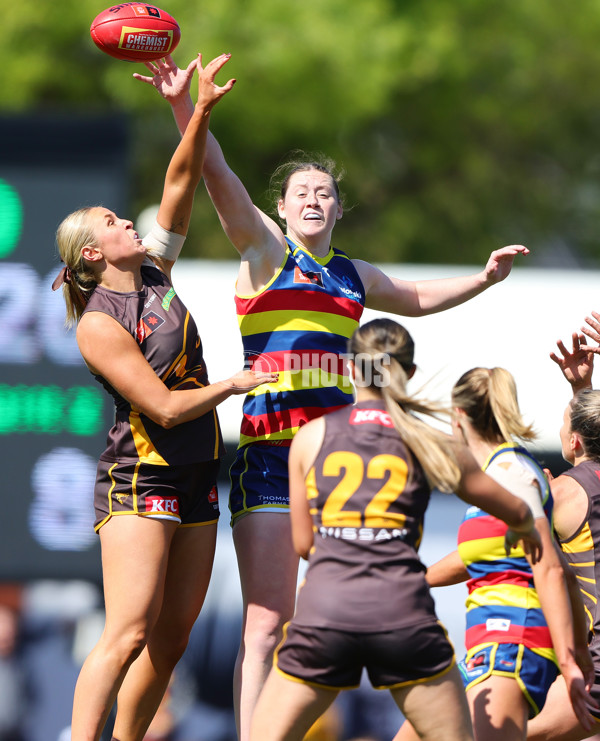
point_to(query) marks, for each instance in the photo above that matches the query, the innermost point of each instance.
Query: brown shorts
(334, 659)
(183, 494)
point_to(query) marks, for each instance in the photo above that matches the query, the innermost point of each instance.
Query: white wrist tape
(161, 243)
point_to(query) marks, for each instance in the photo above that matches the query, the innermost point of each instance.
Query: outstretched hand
(593, 332)
(501, 261)
(172, 83)
(246, 380)
(577, 365)
(208, 92)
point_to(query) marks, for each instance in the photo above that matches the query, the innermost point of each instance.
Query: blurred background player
(576, 494)
(520, 628)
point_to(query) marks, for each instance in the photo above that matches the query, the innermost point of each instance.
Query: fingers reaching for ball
(173, 83)
(208, 91)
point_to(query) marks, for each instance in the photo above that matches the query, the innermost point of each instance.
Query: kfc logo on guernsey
(162, 505)
(370, 416)
(213, 495)
(149, 323)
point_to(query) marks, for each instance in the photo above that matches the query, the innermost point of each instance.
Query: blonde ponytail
(488, 396)
(383, 353)
(78, 279)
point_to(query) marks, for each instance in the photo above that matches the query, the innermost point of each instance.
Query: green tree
(462, 126)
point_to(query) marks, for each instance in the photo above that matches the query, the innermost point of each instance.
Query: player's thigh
(557, 720)
(406, 732)
(286, 709)
(135, 554)
(267, 562)
(437, 708)
(191, 489)
(499, 709)
(191, 557)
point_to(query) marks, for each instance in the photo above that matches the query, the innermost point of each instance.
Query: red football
(135, 32)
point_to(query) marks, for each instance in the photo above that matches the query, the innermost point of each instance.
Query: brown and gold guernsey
(168, 338)
(582, 550)
(368, 499)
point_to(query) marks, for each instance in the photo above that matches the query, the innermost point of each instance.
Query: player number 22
(376, 512)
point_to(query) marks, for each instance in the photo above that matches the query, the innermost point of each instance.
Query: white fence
(514, 324)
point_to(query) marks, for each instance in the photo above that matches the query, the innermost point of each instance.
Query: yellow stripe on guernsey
(486, 549)
(146, 451)
(310, 482)
(283, 320)
(578, 548)
(586, 593)
(305, 378)
(181, 355)
(585, 579)
(504, 594)
(582, 542)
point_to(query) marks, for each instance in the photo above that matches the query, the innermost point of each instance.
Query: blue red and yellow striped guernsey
(503, 605)
(299, 325)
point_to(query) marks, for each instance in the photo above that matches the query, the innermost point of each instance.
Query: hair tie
(64, 276)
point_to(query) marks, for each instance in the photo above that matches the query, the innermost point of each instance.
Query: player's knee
(263, 632)
(168, 652)
(130, 644)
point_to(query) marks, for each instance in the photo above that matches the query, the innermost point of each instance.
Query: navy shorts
(334, 659)
(533, 672)
(183, 494)
(259, 480)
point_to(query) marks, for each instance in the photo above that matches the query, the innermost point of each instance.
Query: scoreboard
(53, 415)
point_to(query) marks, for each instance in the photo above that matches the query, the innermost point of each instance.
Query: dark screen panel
(53, 415)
